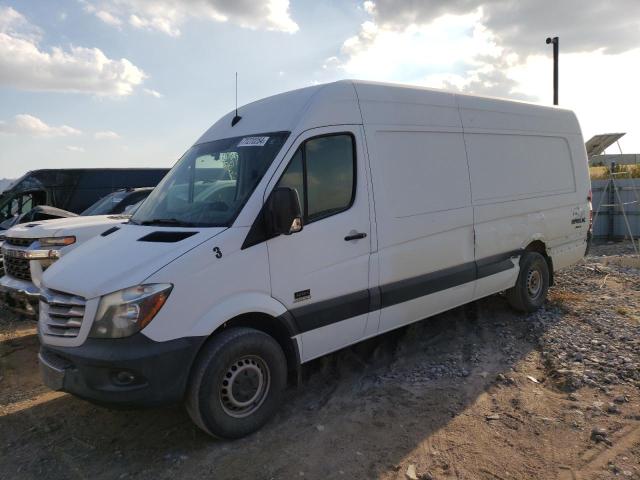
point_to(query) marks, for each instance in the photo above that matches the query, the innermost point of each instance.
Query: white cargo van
(349, 209)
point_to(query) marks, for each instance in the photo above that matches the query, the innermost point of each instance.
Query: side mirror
(284, 215)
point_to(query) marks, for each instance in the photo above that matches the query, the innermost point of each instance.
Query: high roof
(357, 102)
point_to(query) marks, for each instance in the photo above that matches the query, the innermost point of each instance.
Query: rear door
(321, 274)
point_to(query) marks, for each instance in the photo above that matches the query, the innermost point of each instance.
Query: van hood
(63, 226)
(121, 259)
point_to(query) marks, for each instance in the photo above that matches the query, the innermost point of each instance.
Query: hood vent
(166, 236)
(110, 231)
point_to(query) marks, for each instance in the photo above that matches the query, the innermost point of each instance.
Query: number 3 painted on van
(218, 252)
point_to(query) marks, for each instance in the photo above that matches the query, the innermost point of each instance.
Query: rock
(533, 379)
(320, 428)
(599, 434)
(411, 472)
(613, 408)
(574, 397)
(621, 399)
(493, 416)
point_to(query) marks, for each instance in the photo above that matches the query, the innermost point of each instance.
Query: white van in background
(353, 208)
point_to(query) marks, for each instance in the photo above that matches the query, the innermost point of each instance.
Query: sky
(116, 83)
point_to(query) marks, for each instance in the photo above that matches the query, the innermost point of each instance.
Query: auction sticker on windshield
(253, 142)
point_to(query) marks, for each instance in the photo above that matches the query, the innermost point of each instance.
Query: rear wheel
(530, 290)
(237, 383)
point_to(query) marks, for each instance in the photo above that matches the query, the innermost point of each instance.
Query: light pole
(556, 53)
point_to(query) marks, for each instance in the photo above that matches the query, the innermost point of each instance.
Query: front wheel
(530, 290)
(237, 383)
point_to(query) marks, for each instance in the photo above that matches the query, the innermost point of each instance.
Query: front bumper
(19, 295)
(132, 371)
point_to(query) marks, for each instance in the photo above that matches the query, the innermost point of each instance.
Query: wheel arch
(281, 328)
(540, 247)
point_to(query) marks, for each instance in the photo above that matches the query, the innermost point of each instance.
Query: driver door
(321, 274)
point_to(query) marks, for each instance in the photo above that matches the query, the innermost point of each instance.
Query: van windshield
(211, 182)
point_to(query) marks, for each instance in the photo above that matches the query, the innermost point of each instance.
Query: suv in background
(118, 202)
(30, 248)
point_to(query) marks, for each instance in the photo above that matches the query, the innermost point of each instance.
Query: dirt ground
(477, 393)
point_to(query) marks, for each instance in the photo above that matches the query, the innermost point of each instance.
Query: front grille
(61, 314)
(17, 267)
(19, 242)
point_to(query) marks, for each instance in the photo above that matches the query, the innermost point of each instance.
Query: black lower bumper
(132, 371)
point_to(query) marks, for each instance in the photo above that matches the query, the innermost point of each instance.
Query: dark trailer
(72, 189)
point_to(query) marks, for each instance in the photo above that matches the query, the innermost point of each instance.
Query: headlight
(128, 311)
(57, 241)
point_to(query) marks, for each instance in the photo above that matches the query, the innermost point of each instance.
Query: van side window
(322, 171)
(330, 174)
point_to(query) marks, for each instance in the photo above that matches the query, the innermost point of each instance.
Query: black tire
(250, 360)
(530, 291)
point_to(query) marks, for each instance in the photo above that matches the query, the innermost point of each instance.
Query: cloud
(152, 93)
(523, 25)
(108, 18)
(25, 65)
(415, 53)
(14, 23)
(497, 48)
(75, 149)
(106, 135)
(25, 124)
(473, 45)
(167, 16)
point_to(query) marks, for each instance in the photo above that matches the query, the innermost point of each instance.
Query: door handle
(355, 236)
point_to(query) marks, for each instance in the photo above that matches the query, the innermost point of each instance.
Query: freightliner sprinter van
(349, 210)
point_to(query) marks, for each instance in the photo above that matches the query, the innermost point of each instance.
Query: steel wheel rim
(534, 283)
(244, 386)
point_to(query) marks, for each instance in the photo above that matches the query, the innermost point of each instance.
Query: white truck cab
(349, 209)
(29, 249)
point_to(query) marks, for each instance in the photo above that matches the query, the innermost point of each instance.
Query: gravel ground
(479, 392)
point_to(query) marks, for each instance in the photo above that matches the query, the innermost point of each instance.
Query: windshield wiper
(174, 222)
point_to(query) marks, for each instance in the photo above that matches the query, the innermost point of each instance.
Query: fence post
(611, 201)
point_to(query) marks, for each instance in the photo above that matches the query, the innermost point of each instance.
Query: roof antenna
(237, 118)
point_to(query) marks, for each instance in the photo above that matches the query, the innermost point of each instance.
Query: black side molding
(326, 312)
